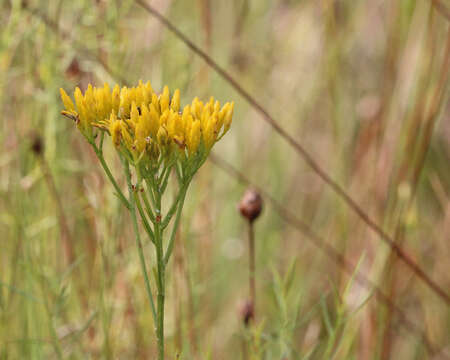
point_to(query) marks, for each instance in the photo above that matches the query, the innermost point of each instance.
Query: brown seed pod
(37, 144)
(251, 205)
(247, 312)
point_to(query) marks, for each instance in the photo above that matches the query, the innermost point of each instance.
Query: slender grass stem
(251, 264)
(67, 241)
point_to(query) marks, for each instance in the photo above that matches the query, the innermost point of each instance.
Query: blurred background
(362, 85)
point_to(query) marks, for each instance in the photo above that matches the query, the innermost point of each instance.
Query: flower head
(142, 123)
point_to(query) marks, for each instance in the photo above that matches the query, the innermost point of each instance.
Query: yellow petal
(67, 101)
(194, 137)
(164, 99)
(115, 99)
(134, 114)
(175, 103)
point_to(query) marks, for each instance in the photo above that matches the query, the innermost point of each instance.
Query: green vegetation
(361, 85)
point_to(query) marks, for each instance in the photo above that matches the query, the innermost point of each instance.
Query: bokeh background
(362, 85)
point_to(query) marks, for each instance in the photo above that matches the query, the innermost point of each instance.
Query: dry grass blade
(338, 189)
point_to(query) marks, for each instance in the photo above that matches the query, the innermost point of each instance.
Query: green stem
(146, 203)
(165, 179)
(161, 279)
(173, 207)
(150, 186)
(169, 250)
(119, 192)
(144, 217)
(148, 207)
(138, 240)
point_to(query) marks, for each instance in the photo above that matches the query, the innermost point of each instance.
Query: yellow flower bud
(211, 102)
(134, 114)
(175, 103)
(164, 99)
(154, 121)
(140, 93)
(162, 136)
(228, 118)
(89, 101)
(148, 92)
(163, 118)
(82, 110)
(107, 101)
(67, 101)
(145, 118)
(205, 116)
(99, 104)
(194, 137)
(186, 119)
(115, 130)
(140, 135)
(209, 134)
(125, 102)
(197, 108)
(179, 124)
(171, 125)
(127, 138)
(216, 106)
(155, 103)
(115, 99)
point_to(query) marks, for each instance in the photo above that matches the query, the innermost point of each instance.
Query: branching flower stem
(138, 238)
(180, 202)
(99, 152)
(152, 137)
(160, 276)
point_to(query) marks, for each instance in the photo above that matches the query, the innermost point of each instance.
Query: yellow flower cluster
(142, 120)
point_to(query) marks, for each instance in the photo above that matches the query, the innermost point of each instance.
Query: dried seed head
(74, 69)
(251, 205)
(247, 312)
(37, 144)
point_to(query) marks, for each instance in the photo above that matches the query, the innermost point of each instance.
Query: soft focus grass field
(362, 85)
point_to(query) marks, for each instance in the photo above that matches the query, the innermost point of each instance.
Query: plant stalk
(251, 264)
(160, 278)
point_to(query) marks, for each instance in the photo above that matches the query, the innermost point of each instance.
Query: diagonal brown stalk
(307, 157)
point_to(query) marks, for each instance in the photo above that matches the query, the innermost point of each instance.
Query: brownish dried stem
(338, 189)
(251, 266)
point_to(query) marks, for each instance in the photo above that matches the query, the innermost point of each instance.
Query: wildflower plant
(153, 138)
